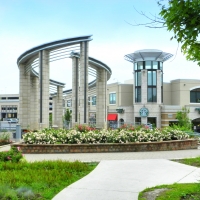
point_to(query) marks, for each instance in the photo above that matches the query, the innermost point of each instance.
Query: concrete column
(75, 91)
(54, 111)
(101, 88)
(34, 103)
(144, 86)
(24, 96)
(57, 108)
(84, 83)
(44, 89)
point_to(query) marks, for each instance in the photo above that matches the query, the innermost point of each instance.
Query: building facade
(145, 98)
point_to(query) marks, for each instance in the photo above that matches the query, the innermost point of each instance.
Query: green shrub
(13, 155)
(4, 138)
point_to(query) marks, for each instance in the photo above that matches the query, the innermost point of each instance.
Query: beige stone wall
(125, 95)
(168, 114)
(167, 99)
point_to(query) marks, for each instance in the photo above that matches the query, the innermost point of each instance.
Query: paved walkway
(121, 176)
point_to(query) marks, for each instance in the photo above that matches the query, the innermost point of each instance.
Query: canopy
(112, 117)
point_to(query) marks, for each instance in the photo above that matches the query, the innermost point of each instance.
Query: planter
(103, 148)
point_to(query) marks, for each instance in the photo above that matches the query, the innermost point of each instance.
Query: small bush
(4, 138)
(13, 155)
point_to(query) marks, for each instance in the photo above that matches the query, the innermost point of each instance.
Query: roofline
(50, 46)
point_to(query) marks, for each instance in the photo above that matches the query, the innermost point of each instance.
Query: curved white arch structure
(35, 88)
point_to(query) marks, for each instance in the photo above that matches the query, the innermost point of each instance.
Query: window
(137, 120)
(112, 98)
(140, 65)
(147, 64)
(161, 66)
(155, 65)
(69, 103)
(138, 86)
(10, 98)
(138, 94)
(195, 96)
(50, 105)
(151, 91)
(94, 100)
(9, 109)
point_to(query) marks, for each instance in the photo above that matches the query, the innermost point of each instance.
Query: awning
(112, 117)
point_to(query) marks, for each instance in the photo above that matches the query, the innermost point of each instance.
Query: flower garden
(86, 135)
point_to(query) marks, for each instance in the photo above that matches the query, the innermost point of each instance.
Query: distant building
(9, 105)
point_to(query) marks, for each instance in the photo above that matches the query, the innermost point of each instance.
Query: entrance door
(152, 120)
(196, 124)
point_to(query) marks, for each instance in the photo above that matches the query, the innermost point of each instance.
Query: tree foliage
(67, 115)
(183, 119)
(183, 18)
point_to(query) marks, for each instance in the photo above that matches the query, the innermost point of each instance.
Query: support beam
(101, 108)
(75, 90)
(44, 89)
(84, 83)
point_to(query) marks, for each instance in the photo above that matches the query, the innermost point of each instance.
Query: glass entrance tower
(148, 84)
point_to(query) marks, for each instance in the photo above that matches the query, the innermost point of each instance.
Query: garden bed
(108, 147)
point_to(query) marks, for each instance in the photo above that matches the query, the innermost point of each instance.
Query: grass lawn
(187, 191)
(39, 180)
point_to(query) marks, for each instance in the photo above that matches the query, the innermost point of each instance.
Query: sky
(25, 24)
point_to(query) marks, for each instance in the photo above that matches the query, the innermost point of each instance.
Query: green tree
(182, 17)
(67, 115)
(183, 120)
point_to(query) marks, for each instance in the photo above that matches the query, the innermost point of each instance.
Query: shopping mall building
(146, 98)
(141, 100)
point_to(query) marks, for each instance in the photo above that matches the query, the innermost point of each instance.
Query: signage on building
(144, 112)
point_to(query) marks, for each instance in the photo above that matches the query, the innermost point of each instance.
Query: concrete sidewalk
(124, 179)
(121, 176)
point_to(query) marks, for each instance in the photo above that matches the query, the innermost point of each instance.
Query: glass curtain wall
(152, 67)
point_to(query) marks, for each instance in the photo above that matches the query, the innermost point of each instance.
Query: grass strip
(182, 191)
(39, 180)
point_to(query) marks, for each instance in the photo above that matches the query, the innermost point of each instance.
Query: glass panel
(140, 65)
(149, 94)
(161, 66)
(135, 66)
(147, 64)
(197, 97)
(155, 65)
(113, 98)
(138, 120)
(154, 78)
(94, 100)
(154, 95)
(149, 78)
(136, 79)
(139, 78)
(137, 94)
(192, 97)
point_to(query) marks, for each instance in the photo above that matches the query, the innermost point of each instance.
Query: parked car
(149, 125)
(12, 120)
